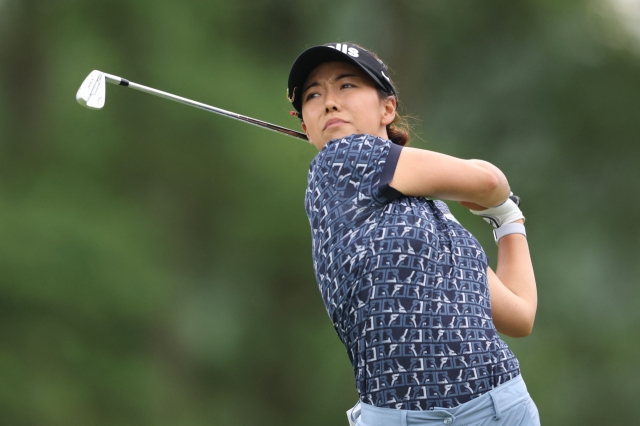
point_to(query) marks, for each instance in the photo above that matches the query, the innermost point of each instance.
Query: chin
(339, 132)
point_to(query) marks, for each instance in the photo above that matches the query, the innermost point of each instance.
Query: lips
(333, 122)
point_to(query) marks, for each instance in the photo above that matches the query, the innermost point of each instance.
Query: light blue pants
(507, 405)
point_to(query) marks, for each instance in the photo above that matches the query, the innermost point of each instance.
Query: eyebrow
(340, 77)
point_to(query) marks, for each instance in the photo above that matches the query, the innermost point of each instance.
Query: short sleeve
(357, 169)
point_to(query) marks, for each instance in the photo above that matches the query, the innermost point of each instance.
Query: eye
(347, 86)
(310, 96)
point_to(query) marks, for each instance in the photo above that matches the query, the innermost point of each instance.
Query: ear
(389, 106)
(304, 128)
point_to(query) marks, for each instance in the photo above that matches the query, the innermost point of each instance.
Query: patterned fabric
(404, 283)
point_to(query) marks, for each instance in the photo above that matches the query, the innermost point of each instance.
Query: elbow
(495, 187)
(524, 331)
(523, 328)
(517, 325)
(493, 182)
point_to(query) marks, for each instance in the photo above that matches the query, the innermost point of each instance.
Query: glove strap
(508, 228)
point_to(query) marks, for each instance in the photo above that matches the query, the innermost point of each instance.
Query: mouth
(333, 122)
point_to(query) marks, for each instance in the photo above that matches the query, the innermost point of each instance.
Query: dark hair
(398, 130)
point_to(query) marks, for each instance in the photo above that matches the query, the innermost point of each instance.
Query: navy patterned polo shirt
(404, 283)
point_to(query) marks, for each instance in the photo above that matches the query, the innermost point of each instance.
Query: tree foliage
(155, 264)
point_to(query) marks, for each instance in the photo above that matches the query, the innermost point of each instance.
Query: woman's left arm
(514, 299)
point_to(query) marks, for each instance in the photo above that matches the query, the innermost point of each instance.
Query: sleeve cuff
(387, 173)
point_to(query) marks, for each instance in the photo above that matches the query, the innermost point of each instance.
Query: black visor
(345, 52)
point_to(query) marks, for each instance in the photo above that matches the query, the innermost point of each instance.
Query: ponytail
(398, 131)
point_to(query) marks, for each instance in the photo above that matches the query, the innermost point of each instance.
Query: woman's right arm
(422, 173)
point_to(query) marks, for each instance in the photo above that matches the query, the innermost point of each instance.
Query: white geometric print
(404, 284)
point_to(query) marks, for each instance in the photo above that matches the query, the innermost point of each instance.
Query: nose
(330, 103)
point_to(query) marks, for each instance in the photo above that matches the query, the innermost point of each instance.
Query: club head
(92, 91)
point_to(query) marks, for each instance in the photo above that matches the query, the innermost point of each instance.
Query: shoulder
(351, 150)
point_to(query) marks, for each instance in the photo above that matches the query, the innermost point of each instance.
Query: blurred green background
(155, 260)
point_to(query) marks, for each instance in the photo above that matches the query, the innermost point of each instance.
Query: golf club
(92, 93)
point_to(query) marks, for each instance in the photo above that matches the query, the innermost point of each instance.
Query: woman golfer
(407, 287)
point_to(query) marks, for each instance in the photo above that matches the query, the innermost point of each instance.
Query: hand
(507, 212)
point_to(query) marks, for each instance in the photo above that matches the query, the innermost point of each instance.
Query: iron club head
(92, 91)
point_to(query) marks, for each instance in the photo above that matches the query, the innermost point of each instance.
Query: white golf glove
(502, 216)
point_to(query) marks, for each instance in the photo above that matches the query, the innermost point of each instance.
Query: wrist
(509, 229)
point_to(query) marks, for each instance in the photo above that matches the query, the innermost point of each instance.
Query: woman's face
(338, 100)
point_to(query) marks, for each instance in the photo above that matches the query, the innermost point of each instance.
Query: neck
(381, 134)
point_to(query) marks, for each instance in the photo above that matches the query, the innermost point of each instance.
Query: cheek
(368, 111)
(307, 113)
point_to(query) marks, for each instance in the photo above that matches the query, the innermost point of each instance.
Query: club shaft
(123, 82)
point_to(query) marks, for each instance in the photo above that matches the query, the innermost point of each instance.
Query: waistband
(492, 403)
